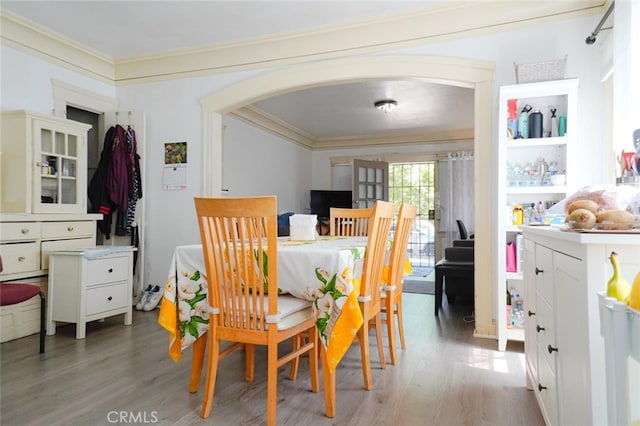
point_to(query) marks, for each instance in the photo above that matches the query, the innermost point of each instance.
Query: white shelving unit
(520, 153)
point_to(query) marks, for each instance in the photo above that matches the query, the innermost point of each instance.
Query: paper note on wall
(174, 177)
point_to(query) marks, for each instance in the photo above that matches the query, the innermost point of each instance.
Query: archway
(450, 71)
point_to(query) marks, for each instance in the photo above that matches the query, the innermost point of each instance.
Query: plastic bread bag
(607, 197)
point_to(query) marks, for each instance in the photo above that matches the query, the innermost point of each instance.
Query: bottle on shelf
(535, 124)
(562, 125)
(523, 122)
(554, 123)
(518, 215)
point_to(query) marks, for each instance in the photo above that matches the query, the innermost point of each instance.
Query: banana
(617, 287)
(634, 295)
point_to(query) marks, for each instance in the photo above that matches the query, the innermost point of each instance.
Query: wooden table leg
(197, 359)
(329, 379)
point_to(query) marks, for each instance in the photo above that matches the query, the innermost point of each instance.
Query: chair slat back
(239, 243)
(404, 223)
(376, 252)
(349, 222)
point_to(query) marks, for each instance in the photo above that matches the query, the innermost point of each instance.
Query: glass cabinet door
(59, 179)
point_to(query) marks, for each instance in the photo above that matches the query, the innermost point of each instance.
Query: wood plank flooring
(123, 375)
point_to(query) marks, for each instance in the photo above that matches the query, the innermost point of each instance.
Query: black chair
(463, 230)
(283, 224)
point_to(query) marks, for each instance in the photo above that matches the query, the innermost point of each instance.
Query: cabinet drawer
(76, 229)
(544, 274)
(22, 257)
(106, 298)
(19, 231)
(546, 337)
(48, 246)
(108, 270)
(547, 379)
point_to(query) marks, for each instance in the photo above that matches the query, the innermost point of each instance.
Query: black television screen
(322, 200)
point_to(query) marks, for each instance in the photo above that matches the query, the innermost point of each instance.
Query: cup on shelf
(558, 179)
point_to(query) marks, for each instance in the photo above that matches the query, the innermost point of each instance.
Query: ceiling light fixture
(386, 105)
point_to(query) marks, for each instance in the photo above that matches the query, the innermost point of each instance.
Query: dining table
(325, 271)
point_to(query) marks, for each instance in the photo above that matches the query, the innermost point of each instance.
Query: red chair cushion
(10, 294)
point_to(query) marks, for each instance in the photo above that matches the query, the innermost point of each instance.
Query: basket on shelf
(540, 71)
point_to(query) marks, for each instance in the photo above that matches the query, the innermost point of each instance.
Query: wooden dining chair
(392, 295)
(349, 222)
(370, 284)
(239, 242)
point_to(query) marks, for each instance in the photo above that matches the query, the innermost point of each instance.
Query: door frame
(474, 74)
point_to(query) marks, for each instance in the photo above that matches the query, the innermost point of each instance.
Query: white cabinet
(25, 242)
(87, 285)
(524, 170)
(44, 164)
(565, 361)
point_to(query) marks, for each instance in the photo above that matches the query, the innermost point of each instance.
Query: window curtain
(456, 194)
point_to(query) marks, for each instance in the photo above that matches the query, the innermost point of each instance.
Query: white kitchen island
(563, 272)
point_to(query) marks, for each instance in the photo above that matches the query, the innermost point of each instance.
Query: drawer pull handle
(110, 270)
(70, 228)
(539, 271)
(539, 329)
(25, 230)
(531, 313)
(551, 349)
(109, 298)
(541, 388)
(21, 258)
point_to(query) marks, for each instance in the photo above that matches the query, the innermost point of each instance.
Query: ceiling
(121, 29)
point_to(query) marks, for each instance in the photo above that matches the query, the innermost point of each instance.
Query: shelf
(515, 334)
(512, 153)
(536, 142)
(514, 276)
(550, 189)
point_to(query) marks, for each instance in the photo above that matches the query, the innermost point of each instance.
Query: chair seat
(292, 311)
(10, 294)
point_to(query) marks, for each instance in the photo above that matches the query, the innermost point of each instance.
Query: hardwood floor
(123, 375)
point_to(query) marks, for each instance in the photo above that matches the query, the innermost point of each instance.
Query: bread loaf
(615, 219)
(590, 205)
(581, 219)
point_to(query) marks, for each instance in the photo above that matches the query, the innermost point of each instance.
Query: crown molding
(268, 123)
(260, 119)
(38, 41)
(429, 25)
(396, 139)
(433, 24)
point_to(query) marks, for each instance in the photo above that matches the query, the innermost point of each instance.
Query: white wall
(26, 82)
(259, 163)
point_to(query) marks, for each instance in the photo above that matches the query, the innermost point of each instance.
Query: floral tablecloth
(326, 271)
